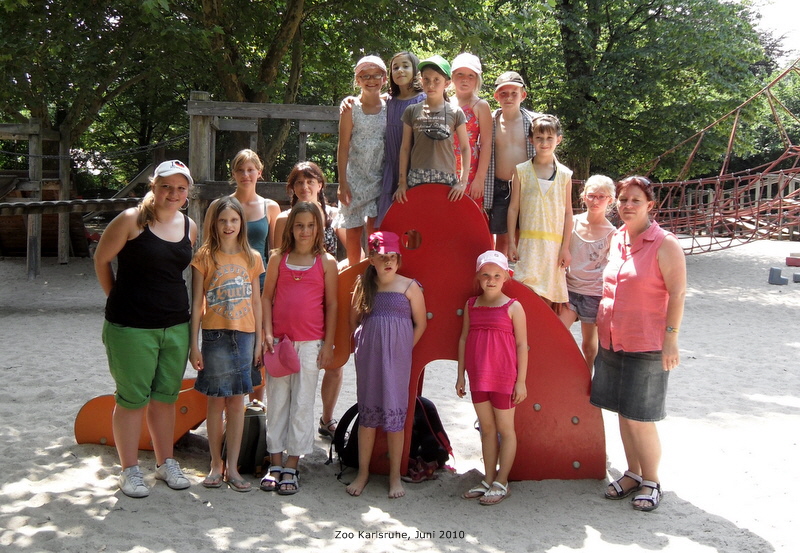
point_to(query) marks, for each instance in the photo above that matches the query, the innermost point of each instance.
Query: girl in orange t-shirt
(226, 302)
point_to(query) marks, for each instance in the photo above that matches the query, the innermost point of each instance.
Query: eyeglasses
(596, 197)
(375, 77)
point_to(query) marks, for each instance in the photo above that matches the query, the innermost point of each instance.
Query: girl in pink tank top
(299, 301)
(493, 350)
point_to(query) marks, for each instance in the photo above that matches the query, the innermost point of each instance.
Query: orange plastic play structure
(93, 423)
(560, 435)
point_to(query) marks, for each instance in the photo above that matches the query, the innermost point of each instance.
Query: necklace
(298, 271)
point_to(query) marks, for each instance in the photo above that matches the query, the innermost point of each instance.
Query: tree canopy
(627, 78)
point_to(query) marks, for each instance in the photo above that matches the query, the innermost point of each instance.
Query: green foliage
(628, 78)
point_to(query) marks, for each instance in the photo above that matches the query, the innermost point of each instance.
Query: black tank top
(149, 291)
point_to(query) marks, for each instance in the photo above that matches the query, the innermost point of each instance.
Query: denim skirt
(227, 361)
(631, 384)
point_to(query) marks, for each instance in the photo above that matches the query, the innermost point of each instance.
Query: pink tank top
(490, 354)
(298, 309)
(633, 311)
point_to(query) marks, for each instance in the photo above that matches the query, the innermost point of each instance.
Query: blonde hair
(600, 181)
(211, 241)
(244, 156)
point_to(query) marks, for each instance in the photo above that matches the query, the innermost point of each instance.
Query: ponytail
(365, 290)
(147, 208)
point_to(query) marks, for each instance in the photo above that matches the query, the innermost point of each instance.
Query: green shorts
(146, 363)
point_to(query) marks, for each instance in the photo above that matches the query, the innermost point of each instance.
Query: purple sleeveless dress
(384, 341)
(391, 158)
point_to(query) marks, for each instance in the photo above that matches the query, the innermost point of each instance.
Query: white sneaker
(170, 472)
(131, 482)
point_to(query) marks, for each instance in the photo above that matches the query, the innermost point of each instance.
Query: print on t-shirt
(231, 287)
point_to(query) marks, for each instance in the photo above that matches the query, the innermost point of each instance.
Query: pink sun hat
(384, 243)
(368, 62)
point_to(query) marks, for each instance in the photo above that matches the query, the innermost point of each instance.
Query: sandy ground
(730, 440)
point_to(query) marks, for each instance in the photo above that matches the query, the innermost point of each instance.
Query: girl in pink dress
(493, 350)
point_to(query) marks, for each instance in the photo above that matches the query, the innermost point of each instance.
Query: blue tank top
(257, 234)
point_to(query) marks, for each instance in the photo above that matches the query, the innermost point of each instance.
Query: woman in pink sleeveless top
(640, 312)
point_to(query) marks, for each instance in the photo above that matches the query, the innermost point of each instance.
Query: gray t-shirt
(427, 152)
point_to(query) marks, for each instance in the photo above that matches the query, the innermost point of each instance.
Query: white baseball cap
(492, 256)
(173, 167)
(467, 60)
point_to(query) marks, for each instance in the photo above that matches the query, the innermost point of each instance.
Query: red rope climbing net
(734, 208)
(717, 213)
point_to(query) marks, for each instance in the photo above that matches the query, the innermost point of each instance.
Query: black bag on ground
(429, 440)
(345, 440)
(253, 453)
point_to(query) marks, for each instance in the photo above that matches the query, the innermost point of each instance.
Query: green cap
(437, 61)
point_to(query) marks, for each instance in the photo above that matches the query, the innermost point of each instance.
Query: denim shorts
(227, 361)
(585, 306)
(498, 214)
(146, 363)
(631, 384)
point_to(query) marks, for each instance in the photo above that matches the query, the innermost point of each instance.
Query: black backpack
(429, 440)
(253, 453)
(345, 441)
(428, 437)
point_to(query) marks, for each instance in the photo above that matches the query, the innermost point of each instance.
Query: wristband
(672, 329)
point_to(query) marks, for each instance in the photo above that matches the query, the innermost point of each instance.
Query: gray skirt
(631, 384)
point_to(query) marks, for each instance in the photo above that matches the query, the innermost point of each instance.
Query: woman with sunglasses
(591, 238)
(644, 285)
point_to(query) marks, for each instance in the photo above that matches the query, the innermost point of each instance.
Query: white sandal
(654, 497)
(477, 491)
(498, 491)
(269, 483)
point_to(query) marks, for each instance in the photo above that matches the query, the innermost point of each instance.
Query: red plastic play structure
(560, 435)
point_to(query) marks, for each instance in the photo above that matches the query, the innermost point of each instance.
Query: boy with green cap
(426, 154)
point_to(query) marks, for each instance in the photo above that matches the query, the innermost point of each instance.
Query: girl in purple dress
(404, 89)
(391, 312)
(493, 350)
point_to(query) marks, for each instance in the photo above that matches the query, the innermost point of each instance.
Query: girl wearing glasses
(360, 154)
(591, 238)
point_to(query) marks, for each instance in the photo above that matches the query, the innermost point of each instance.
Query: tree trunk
(278, 140)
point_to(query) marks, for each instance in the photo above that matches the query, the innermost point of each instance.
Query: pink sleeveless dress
(490, 356)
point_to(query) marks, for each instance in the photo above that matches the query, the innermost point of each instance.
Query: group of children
(388, 317)
(504, 160)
